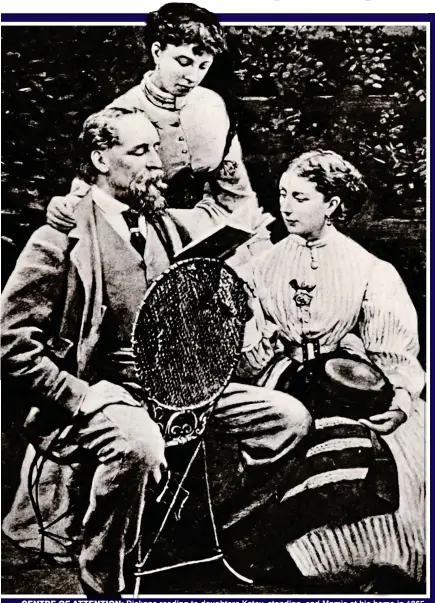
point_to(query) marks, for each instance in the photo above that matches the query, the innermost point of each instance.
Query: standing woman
(199, 148)
(324, 295)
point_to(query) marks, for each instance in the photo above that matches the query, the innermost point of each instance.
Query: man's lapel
(85, 256)
(124, 270)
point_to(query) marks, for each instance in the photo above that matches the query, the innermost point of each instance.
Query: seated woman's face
(302, 206)
(179, 69)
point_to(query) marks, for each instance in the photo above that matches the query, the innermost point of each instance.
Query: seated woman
(324, 295)
(199, 148)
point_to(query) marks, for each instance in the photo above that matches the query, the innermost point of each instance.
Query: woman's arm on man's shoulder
(60, 210)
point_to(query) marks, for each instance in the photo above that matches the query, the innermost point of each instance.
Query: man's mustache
(147, 176)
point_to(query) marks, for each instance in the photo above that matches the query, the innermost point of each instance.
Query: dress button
(181, 138)
(184, 151)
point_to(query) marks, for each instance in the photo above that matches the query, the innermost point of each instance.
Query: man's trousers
(267, 425)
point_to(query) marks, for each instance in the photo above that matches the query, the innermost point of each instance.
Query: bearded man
(67, 317)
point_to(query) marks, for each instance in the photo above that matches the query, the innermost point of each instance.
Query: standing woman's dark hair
(185, 23)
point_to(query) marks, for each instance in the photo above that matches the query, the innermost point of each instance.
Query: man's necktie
(136, 238)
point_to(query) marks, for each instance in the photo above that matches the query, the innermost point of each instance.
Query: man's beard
(146, 191)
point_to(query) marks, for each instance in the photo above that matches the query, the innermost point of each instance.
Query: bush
(369, 84)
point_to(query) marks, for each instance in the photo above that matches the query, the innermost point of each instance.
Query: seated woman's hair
(333, 176)
(180, 23)
(100, 131)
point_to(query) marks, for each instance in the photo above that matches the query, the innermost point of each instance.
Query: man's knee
(294, 416)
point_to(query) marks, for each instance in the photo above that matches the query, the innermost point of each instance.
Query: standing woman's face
(178, 68)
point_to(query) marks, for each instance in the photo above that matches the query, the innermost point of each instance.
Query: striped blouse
(322, 290)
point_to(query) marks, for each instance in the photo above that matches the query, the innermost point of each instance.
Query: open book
(220, 242)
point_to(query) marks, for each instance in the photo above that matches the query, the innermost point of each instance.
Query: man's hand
(137, 426)
(155, 452)
(60, 212)
(103, 394)
(387, 422)
(148, 433)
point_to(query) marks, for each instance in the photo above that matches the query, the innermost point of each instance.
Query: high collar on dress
(327, 237)
(164, 100)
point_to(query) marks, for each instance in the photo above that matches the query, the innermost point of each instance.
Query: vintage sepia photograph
(213, 311)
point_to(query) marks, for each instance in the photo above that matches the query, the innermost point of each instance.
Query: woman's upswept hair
(185, 23)
(100, 131)
(333, 176)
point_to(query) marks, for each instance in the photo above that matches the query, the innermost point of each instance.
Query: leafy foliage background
(359, 90)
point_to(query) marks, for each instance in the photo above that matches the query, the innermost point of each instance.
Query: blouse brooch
(302, 296)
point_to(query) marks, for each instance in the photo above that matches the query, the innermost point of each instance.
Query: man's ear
(156, 49)
(332, 205)
(99, 160)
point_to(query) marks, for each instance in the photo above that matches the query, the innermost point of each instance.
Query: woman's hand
(60, 212)
(387, 422)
